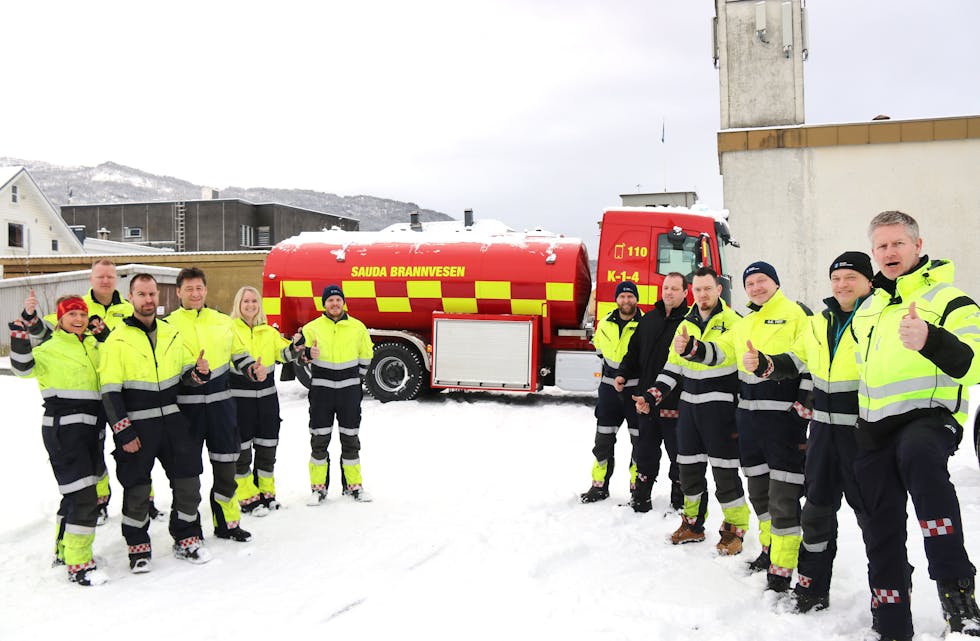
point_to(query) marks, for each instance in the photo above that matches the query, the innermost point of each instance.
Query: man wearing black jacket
(645, 358)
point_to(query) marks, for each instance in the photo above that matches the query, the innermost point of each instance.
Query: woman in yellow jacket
(65, 365)
(257, 404)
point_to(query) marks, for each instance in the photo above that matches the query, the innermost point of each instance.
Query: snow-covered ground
(475, 533)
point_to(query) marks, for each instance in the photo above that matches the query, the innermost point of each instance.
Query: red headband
(71, 304)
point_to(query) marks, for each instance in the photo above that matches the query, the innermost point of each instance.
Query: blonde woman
(258, 404)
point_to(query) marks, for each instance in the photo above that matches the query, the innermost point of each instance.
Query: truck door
(625, 254)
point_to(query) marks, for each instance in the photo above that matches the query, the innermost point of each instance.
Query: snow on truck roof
(720, 215)
(486, 232)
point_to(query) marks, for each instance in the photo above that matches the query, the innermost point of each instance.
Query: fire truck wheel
(396, 373)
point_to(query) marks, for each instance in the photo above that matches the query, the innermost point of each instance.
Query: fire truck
(466, 305)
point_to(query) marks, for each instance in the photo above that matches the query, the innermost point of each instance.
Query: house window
(13, 193)
(134, 232)
(265, 236)
(54, 244)
(246, 235)
(15, 235)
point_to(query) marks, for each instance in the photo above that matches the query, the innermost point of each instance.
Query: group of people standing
(865, 401)
(166, 387)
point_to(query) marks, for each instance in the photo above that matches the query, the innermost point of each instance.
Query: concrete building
(799, 195)
(29, 223)
(224, 224)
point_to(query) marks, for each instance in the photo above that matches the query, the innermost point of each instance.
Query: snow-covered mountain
(110, 182)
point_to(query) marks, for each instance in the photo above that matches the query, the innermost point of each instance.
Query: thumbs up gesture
(681, 340)
(258, 371)
(750, 359)
(30, 303)
(912, 330)
(314, 351)
(202, 364)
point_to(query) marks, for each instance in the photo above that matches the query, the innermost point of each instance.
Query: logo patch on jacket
(720, 328)
(775, 321)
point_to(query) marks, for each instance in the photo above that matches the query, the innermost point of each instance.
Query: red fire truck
(480, 306)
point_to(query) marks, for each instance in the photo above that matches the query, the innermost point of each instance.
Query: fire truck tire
(395, 374)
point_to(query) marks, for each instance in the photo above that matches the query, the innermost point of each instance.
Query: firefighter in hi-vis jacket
(339, 352)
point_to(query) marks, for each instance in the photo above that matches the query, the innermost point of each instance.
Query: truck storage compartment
(476, 351)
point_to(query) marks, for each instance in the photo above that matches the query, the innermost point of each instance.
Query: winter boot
(155, 514)
(358, 493)
(270, 502)
(192, 550)
(87, 574)
(686, 533)
(806, 601)
(959, 606)
(598, 492)
(676, 496)
(730, 543)
(139, 564)
(778, 583)
(761, 562)
(317, 497)
(235, 533)
(255, 508)
(641, 501)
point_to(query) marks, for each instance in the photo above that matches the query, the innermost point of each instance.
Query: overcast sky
(534, 112)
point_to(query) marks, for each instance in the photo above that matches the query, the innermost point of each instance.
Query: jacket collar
(132, 322)
(116, 298)
(773, 300)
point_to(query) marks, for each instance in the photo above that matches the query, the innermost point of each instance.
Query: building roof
(9, 173)
(204, 200)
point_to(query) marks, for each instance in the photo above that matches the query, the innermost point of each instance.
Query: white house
(29, 224)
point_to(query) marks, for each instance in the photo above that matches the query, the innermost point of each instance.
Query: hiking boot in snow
(641, 502)
(779, 579)
(806, 601)
(56, 561)
(192, 550)
(87, 574)
(155, 514)
(730, 543)
(959, 606)
(270, 502)
(676, 496)
(359, 494)
(235, 533)
(686, 533)
(139, 564)
(255, 508)
(103, 515)
(595, 494)
(317, 497)
(761, 562)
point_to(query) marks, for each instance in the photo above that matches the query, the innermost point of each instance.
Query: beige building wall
(799, 196)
